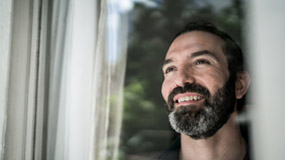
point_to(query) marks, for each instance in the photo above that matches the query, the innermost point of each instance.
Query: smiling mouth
(189, 99)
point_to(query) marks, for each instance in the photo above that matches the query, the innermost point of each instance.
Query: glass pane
(146, 131)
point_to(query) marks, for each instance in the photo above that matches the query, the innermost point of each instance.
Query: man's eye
(202, 61)
(169, 69)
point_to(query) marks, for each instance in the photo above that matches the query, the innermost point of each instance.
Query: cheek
(216, 82)
(220, 78)
(213, 79)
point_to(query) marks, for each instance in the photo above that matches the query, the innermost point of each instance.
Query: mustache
(187, 87)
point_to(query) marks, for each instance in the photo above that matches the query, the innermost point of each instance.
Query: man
(204, 87)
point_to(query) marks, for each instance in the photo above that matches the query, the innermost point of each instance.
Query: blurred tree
(152, 30)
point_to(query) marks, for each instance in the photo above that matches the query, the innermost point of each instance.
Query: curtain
(86, 75)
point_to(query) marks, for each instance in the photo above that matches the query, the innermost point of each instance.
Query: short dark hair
(231, 49)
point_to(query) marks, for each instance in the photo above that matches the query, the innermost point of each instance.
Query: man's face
(196, 84)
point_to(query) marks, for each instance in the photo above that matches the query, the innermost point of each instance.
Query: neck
(226, 144)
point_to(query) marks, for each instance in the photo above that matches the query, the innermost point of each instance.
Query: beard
(205, 120)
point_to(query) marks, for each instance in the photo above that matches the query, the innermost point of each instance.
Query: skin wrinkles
(182, 62)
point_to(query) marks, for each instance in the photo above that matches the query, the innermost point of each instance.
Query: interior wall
(266, 52)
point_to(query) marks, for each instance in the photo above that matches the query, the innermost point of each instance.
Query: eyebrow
(204, 52)
(193, 55)
(167, 61)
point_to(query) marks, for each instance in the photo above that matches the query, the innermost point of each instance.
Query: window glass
(145, 130)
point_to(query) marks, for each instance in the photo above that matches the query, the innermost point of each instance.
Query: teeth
(189, 98)
(181, 100)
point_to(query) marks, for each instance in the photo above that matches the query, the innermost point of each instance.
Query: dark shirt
(173, 152)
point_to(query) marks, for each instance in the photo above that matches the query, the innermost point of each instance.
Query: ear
(242, 84)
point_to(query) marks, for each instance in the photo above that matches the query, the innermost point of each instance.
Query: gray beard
(197, 128)
(207, 119)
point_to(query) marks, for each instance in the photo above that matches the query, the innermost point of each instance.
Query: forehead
(195, 41)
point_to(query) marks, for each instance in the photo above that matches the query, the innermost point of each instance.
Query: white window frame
(22, 92)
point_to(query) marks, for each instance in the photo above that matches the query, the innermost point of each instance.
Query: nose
(184, 75)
